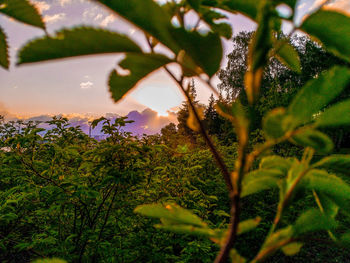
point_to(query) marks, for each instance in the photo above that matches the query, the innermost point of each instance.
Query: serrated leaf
(79, 41)
(258, 181)
(292, 248)
(320, 92)
(289, 56)
(148, 16)
(332, 186)
(196, 47)
(311, 221)
(4, 56)
(336, 162)
(171, 212)
(314, 139)
(332, 29)
(22, 11)
(336, 115)
(139, 66)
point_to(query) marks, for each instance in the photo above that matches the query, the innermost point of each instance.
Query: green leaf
(292, 248)
(277, 123)
(320, 92)
(195, 4)
(289, 56)
(196, 46)
(139, 66)
(276, 162)
(326, 205)
(248, 225)
(4, 56)
(236, 257)
(172, 212)
(336, 162)
(50, 260)
(314, 139)
(332, 29)
(336, 115)
(148, 16)
(345, 239)
(332, 186)
(223, 29)
(311, 221)
(246, 7)
(76, 42)
(258, 181)
(187, 229)
(23, 11)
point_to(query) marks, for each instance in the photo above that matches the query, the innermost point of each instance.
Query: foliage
(63, 174)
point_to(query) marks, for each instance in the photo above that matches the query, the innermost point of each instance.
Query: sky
(79, 85)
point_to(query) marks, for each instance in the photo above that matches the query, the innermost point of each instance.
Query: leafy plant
(199, 55)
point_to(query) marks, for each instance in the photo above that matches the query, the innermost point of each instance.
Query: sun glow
(161, 99)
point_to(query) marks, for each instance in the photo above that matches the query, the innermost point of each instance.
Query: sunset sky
(79, 85)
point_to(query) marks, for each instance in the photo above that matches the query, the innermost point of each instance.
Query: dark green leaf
(332, 186)
(196, 46)
(345, 239)
(76, 42)
(170, 212)
(195, 4)
(4, 56)
(320, 92)
(247, 7)
(336, 162)
(139, 66)
(289, 57)
(223, 29)
(332, 29)
(23, 11)
(314, 139)
(148, 16)
(311, 221)
(336, 115)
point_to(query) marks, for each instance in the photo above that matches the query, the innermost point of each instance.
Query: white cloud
(301, 6)
(338, 5)
(107, 20)
(98, 17)
(54, 18)
(65, 2)
(86, 85)
(41, 6)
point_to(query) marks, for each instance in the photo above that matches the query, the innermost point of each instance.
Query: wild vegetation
(248, 178)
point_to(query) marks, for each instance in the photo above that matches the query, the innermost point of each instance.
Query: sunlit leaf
(248, 225)
(23, 11)
(138, 67)
(336, 115)
(49, 260)
(320, 92)
(292, 248)
(326, 205)
(275, 162)
(236, 257)
(332, 29)
(4, 56)
(315, 139)
(171, 212)
(76, 42)
(289, 56)
(259, 180)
